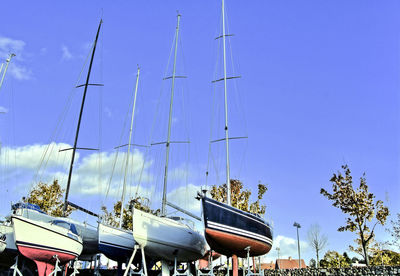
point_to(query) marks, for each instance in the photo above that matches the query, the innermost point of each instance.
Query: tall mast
(164, 197)
(79, 120)
(228, 183)
(5, 69)
(129, 149)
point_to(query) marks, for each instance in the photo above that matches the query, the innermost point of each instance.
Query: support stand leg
(235, 265)
(56, 267)
(128, 265)
(164, 268)
(75, 266)
(97, 266)
(15, 268)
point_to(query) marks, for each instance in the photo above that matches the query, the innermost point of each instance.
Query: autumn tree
(334, 259)
(363, 212)
(316, 240)
(240, 197)
(112, 218)
(49, 197)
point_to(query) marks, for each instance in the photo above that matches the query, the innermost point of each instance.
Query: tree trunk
(365, 253)
(317, 259)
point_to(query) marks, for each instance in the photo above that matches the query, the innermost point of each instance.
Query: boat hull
(229, 230)
(164, 238)
(117, 244)
(41, 241)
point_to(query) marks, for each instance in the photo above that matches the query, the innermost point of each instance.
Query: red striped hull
(226, 242)
(44, 258)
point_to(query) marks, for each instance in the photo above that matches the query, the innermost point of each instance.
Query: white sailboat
(162, 237)
(45, 239)
(115, 242)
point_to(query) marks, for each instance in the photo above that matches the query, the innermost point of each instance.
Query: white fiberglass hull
(165, 238)
(8, 232)
(40, 241)
(117, 244)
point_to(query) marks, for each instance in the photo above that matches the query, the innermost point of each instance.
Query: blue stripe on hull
(115, 253)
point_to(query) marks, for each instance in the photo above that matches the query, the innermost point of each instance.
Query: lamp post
(297, 225)
(278, 249)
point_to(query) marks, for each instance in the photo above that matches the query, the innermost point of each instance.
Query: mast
(228, 183)
(164, 197)
(79, 120)
(129, 148)
(5, 69)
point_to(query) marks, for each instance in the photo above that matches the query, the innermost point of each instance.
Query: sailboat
(89, 233)
(162, 237)
(228, 230)
(47, 243)
(118, 243)
(47, 240)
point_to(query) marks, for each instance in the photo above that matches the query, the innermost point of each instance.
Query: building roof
(289, 263)
(270, 265)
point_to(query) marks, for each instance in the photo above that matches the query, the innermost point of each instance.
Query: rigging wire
(155, 118)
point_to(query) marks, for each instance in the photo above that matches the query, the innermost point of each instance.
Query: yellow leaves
(112, 218)
(240, 198)
(49, 197)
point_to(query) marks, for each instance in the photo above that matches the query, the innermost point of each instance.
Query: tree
(316, 240)
(382, 256)
(112, 218)
(49, 197)
(334, 259)
(313, 263)
(240, 198)
(395, 231)
(363, 212)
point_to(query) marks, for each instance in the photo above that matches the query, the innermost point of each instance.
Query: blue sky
(319, 87)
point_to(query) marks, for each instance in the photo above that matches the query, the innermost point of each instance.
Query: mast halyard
(228, 183)
(164, 197)
(129, 148)
(5, 69)
(79, 121)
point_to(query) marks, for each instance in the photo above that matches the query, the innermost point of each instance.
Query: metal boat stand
(177, 273)
(15, 268)
(56, 266)
(97, 266)
(75, 267)
(227, 266)
(210, 267)
(143, 270)
(249, 272)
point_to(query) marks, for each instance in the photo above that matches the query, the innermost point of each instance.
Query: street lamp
(297, 225)
(278, 249)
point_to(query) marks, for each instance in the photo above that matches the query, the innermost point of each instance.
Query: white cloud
(184, 196)
(32, 156)
(20, 72)
(8, 46)
(287, 248)
(92, 172)
(3, 109)
(66, 54)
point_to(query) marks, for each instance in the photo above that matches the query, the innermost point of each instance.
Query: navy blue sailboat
(228, 230)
